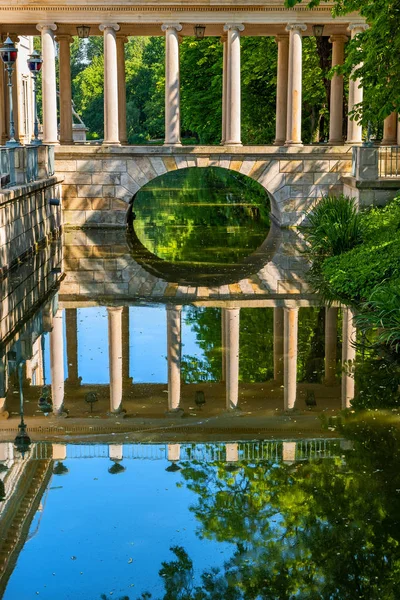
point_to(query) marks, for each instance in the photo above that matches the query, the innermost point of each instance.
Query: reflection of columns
(295, 74)
(354, 130)
(71, 323)
(336, 109)
(174, 356)
(232, 452)
(65, 89)
(291, 318)
(390, 130)
(111, 135)
(57, 363)
(49, 87)
(174, 452)
(289, 452)
(223, 344)
(115, 357)
(233, 87)
(116, 451)
(232, 357)
(282, 89)
(125, 346)
(59, 451)
(224, 90)
(331, 317)
(348, 356)
(121, 41)
(278, 345)
(172, 85)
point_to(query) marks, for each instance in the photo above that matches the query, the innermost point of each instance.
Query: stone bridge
(100, 182)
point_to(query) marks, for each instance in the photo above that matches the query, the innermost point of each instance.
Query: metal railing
(389, 161)
(31, 164)
(7, 167)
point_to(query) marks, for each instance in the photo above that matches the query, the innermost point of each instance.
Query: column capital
(357, 28)
(166, 26)
(174, 307)
(122, 37)
(115, 309)
(338, 37)
(296, 27)
(281, 37)
(234, 26)
(44, 26)
(64, 37)
(105, 26)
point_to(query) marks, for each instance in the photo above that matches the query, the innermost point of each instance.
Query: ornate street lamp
(318, 30)
(199, 31)
(22, 440)
(83, 31)
(9, 54)
(35, 62)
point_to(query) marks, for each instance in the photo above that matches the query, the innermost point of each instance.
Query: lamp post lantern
(9, 54)
(35, 62)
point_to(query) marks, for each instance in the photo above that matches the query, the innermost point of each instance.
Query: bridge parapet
(100, 182)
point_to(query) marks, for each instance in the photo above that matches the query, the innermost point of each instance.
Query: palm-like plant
(382, 311)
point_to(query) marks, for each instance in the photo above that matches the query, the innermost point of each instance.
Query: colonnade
(289, 85)
(285, 354)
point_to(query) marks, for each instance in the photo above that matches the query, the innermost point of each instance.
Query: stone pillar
(390, 130)
(233, 87)
(111, 114)
(282, 89)
(71, 323)
(57, 363)
(232, 452)
(65, 89)
(115, 357)
(289, 452)
(336, 110)
(125, 346)
(174, 452)
(295, 73)
(174, 357)
(49, 87)
(115, 452)
(354, 130)
(121, 41)
(3, 106)
(59, 451)
(224, 90)
(278, 344)
(331, 318)
(348, 356)
(232, 357)
(291, 318)
(172, 85)
(223, 344)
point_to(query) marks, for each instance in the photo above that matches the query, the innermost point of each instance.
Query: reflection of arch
(266, 175)
(189, 274)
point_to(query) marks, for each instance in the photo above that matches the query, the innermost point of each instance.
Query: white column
(390, 130)
(278, 344)
(291, 318)
(174, 357)
(116, 452)
(115, 357)
(336, 109)
(223, 343)
(65, 89)
(57, 363)
(172, 85)
(49, 88)
(232, 357)
(348, 356)
(331, 318)
(295, 75)
(282, 89)
(111, 134)
(233, 85)
(59, 451)
(289, 452)
(232, 452)
(121, 41)
(174, 452)
(354, 130)
(224, 90)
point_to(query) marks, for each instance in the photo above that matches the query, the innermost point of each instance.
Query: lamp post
(9, 54)
(35, 62)
(22, 441)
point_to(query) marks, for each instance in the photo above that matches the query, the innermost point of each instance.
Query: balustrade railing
(25, 164)
(31, 164)
(389, 161)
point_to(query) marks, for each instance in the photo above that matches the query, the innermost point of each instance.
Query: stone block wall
(27, 219)
(100, 182)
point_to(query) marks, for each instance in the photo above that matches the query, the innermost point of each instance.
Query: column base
(290, 143)
(335, 143)
(50, 143)
(388, 143)
(279, 143)
(174, 413)
(233, 143)
(67, 142)
(354, 143)
(120, 412)
(111, 143)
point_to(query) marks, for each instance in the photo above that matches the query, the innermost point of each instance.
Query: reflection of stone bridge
(100, 182)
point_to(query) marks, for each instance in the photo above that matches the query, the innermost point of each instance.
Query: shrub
(382, 311)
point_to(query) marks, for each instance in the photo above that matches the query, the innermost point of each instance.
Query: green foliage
(377, 378)
(382, 311)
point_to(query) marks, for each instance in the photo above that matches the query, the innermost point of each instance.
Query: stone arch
(141, 170)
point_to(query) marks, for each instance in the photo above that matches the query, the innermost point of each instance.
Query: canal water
(195, 414)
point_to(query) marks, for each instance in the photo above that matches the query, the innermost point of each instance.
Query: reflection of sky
(147, 344)
(104, 521)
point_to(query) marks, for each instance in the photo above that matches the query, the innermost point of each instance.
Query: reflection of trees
(323, 529)
(256, 345)
(202, 215)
